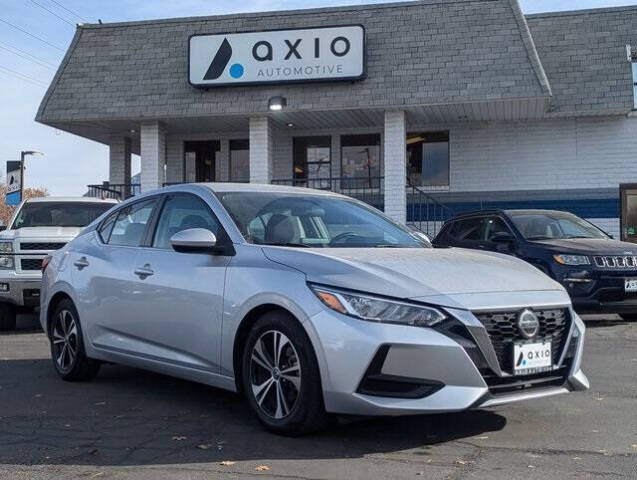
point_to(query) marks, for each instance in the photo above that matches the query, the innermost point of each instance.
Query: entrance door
(628, 195)
(199, 160)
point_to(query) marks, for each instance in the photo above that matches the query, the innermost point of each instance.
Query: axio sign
(277, 56)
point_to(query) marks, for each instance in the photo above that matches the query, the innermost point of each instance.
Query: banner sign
(14, 183)
(277, 56)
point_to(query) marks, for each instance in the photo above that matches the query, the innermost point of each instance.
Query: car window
(59, 214)
(130, 226)
(182, 212)
(470, 229)
(314, 220)
(554, 225)
(107, 227)
(493, 226)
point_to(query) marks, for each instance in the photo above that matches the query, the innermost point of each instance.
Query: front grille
(41, 245)
(503, 332)
(31, 264)
(615, 261)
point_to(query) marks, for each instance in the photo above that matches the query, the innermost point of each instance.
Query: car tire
(292, 403)
(7, 316)
(629, 317)
(67, 345)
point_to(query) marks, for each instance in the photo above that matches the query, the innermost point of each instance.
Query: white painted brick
(395, 157)
(119, 160)
(261, 167)
(153, 155)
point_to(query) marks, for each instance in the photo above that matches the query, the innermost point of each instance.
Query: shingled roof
(584, 55)
(428, 52)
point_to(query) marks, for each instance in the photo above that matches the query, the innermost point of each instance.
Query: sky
(34, 35)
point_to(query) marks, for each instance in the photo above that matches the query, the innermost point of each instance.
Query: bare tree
(6, 211)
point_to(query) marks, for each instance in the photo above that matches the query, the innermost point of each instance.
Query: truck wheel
(7, 316)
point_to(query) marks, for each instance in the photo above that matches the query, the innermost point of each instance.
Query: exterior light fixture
(276, 104)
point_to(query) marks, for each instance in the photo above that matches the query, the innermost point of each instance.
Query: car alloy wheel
(65, 341)
(275, 374)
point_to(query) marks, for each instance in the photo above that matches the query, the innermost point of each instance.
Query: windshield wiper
(539, 237)
(577, 236)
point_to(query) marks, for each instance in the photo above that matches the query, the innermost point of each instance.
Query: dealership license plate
(529, 358)
(630, 285)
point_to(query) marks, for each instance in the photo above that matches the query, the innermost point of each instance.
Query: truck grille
(41, 245)
(503, 332)
(31, 264)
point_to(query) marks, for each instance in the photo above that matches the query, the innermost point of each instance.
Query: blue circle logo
(236, 70)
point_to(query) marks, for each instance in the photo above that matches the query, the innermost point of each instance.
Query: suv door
(181, 294)
(495, 225)
(104, 281)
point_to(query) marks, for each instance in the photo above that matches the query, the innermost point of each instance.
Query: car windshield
(310, 220)
(58, 214)
(554, 226)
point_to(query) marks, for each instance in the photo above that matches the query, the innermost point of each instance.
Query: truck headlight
(6, 255)
(378, 309)
(565, 259)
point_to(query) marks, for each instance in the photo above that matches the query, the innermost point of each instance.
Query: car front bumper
(442, 371)
(23, 290)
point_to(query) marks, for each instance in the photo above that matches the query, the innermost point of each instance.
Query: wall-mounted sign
(277, 56)
(14, 183)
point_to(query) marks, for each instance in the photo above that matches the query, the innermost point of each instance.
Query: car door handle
(144, 271)
(81, 263)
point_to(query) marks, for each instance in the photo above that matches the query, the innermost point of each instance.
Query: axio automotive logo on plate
(278, 56)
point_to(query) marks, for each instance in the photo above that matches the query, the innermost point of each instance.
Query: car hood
(415, 272)
(590, 246)
(61, 233)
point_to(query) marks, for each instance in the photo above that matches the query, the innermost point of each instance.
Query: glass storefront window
(360, 161)
(313, 161)
(428, 159)
(240, 161)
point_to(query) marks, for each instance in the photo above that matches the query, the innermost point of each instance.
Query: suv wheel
(281, 376)
(7, 316)
(67, 346)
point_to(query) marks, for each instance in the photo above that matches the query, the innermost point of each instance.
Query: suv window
(129, 227)
(493, 226)
(471, 229)
(182, 212)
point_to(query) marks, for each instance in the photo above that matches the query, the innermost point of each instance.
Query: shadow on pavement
(131, 417)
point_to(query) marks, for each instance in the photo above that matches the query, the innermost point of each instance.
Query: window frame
(380, 162)
(432, 133)
(155, 198)
(223, 240)
(230, 141)
(309, 138)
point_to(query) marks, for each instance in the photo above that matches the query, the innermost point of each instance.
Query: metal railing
(118, 191)
(365, 189)
(426, 213)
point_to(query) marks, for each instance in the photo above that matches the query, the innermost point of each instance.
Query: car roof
(506, 212)
(71, 199)
(263, 187)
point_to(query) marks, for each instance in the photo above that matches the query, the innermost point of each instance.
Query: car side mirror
(194, 240)
(503, 240)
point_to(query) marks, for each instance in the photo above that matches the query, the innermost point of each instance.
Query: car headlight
(377, 309)
(565, 259)
(6, 255)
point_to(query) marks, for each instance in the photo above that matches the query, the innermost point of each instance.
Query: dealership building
(424, 109)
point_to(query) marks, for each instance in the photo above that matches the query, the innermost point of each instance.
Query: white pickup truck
(38, 226)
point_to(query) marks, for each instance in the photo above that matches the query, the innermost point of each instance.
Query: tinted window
(59, 214)
(494, 226)
(360, 161)
(307, 220)
(130, 226)
(471, 229)
(428, 159)
(181, 213)
(239, 161)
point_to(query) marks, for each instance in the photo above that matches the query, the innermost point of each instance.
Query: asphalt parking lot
(133, 424)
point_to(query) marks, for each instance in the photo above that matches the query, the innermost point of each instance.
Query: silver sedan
(309, 303)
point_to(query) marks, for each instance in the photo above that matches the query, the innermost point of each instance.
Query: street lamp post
(23, 155)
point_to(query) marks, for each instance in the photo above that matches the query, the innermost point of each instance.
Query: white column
(153, 155)
(260, 150)
(395, 165)
(119, 160)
